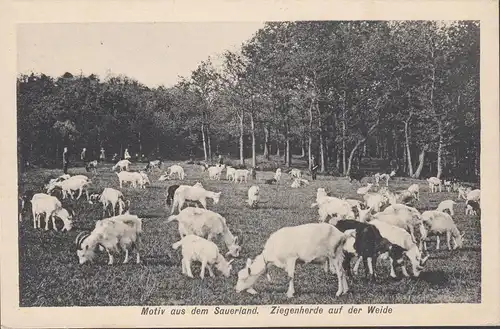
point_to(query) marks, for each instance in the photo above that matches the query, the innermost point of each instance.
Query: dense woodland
(340, 90)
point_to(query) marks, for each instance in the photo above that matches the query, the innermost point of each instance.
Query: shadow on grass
(436, 278)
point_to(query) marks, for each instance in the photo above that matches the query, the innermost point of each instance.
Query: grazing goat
(193, 193)
(434, 183)
(215, 172)
(375, 201)
(277, 175)
(240, 175)
(364, 189)
(446, 205)
(253, 196)
(404, 217)
(438, 223)
(230, 172)
(331, 206)
(368, 245)
(295, 173)
(385, 176)
(176, 169)
(122, 165)
(206, 224)
(474, 195)
(71, 184)
(463, 192)
(447, 185)
(50, 206)
(153, 164)
(402, 238)
(91, 166)
(298, 182)
(134, 178)
(112, 197)
(415, 189)
(472, 208)
(113, 234)
(52, 181)
(403, 197)
(307, 243)
(195, 248)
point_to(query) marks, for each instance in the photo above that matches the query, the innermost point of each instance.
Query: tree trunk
(421, 160)
(321, 140)
(266, 143)
(288, 155)
(309, 146)
(209, 141)
(242, 155)
(140, 145)
(203, 137)
(252, 131)
(303, 151)
(440, 151)
(407, 144)
(358, 144)
(344, 160)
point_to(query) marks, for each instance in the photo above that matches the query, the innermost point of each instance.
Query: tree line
(406, 91)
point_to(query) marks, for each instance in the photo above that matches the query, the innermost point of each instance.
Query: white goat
(438, 223)
(295, 173)
(214, 172)
(434, 182)
(474, 195)
(176, 169)
(415, 189)
(402, 238)
(145, 179)
(195, 248)
(74, 183)
(298, 182)
(375, 200)
(122, 164)
(332, 206)
(193, 193)
(385, 176)
(230, 172)
(463, 192)
(318, 242)
(112, 197)
(113, 234)
(447, 185)
(51, 184)
(206, 224)
(446, 205)
(277, 175)
(253, 196)
(134, 178)
(241, 175)
(363, 190)
(50, 206)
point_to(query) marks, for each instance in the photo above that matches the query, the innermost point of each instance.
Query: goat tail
(176, 245)
(171, 218)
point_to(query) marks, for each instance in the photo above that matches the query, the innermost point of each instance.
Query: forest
(343, 91)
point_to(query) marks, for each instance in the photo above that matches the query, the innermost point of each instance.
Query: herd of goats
(382, 224)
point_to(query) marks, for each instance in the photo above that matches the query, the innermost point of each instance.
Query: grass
(50, 275)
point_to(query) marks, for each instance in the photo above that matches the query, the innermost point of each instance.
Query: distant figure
(82, 155)
(65, 160)
(115, 157)
(126, 155)
(220, 160)
(102, 156)
(314, 167)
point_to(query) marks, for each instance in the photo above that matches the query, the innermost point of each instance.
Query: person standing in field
(65, 160)
(220, 161)
(314, 167)
(126, 155)
(82, 155)
(102, 156)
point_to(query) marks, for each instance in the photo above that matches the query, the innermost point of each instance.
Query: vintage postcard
(267, 163)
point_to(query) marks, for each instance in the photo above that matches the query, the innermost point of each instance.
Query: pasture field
(49, 273)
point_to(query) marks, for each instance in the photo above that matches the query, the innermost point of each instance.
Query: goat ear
(230, 261)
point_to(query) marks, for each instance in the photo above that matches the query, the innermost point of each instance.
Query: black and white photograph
(280, 163)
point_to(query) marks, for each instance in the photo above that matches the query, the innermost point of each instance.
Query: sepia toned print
(306, 142)
(264, 171)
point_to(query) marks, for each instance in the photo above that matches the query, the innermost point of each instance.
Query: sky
(153, 53)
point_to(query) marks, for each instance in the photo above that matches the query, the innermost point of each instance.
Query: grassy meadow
(49, 273)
